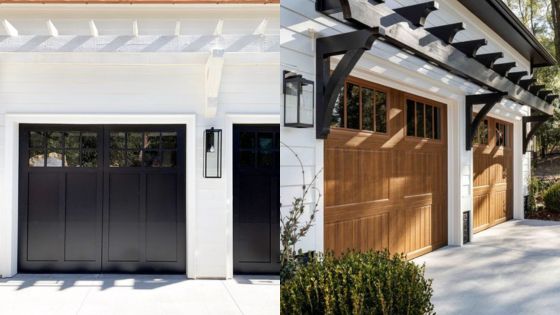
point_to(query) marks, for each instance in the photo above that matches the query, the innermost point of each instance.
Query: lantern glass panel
(213, 153)
(291, 102)
(306, 106)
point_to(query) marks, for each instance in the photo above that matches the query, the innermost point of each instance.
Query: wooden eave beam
(417, 13)
(352, 46)
(489, 59)
(430, 48)
(516, 76)
(503, 68)
(536, 122)
(446, 32)
(488, 100)
(470, 47)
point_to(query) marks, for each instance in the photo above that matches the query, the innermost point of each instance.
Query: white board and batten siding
(149, 82)
(387, 65)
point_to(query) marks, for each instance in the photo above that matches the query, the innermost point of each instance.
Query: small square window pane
(151, 140)
(353, 106)
(152, 159)
(116, 140)
(89, 158)
(134, 140)
(337, 118)
(266, 159)
(36, 139)
(54, 139)
(380, 112)
(367, 109)
(89, 140)
(420, 120)
(134, 158)
(410, 118)
(169, 140)
(54, 158)
(437, 123)
(72, 158)
(247, 158)
(118, 158)
(247, 140)
(429, 122)
(169, 159)
(37, 158)
(72, 140)
(266, 141)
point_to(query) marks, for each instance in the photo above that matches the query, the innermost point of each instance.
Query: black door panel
(256, 199)
(90, 202)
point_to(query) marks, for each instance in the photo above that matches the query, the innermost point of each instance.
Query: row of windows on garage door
(386, 172)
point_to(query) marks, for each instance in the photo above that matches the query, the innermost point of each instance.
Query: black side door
(256, 199)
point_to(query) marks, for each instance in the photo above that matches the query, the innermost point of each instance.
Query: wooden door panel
(492, 179)
(386, 190)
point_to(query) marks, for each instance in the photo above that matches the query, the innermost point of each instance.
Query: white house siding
(148, 83)
(387, 65)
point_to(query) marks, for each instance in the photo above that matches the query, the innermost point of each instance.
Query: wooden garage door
(493, 183)
(386, 172)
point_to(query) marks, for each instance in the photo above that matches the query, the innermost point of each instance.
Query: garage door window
(481, 136)
(62, 149)
(501, 135)
(361, 107)
(143, 149)
(423, 120)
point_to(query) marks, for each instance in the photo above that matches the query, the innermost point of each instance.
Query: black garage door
(256, 199)
(102, 198)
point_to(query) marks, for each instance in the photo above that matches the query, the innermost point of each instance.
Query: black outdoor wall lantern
(213, 153)
(299, 103)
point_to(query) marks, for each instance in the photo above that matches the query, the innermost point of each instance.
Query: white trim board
(9, 204)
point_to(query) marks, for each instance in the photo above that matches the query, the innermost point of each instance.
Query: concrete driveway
(127, 294)
(513, 268)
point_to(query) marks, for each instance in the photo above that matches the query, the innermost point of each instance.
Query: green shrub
(357, 283)
(552, 198)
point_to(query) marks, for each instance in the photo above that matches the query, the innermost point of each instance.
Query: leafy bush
(355, 284)
(552, 198)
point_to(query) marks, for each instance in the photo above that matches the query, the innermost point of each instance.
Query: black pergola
(372, 20)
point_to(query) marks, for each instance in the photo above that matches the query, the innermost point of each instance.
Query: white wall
(149, 83)
(387, 65)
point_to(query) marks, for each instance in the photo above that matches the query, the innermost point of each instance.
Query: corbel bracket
(536, 122)
(488, 100)
(352, 46)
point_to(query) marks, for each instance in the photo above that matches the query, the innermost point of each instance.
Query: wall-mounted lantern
(299, 101)
(213, 153)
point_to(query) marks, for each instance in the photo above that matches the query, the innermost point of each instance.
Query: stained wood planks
(492, 181)
(386, 190)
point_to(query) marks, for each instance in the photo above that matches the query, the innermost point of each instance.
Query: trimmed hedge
(552, 198)
(357, 283)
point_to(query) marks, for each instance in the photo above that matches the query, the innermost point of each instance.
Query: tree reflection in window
(143, 149)
(62, 149)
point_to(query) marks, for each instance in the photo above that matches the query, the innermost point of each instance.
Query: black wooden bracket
(489, 59)
(535, 88)
(488, 100)
(536, 122)
(503, 68)
(446, 32)
(516, 76)
(543, 94)
(470, 47)
(417, 13)
(551, 98)
(526, 83)
(352, 46)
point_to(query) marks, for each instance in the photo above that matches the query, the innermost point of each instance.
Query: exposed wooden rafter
(417, 13)
(544, 93)
(352, 46)
(536, 88)
(489, 59)
(516, 76)
(551, 98)
(446, 32)
(470, 47)
(503, 68)
(488, 100)
(526, 83)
